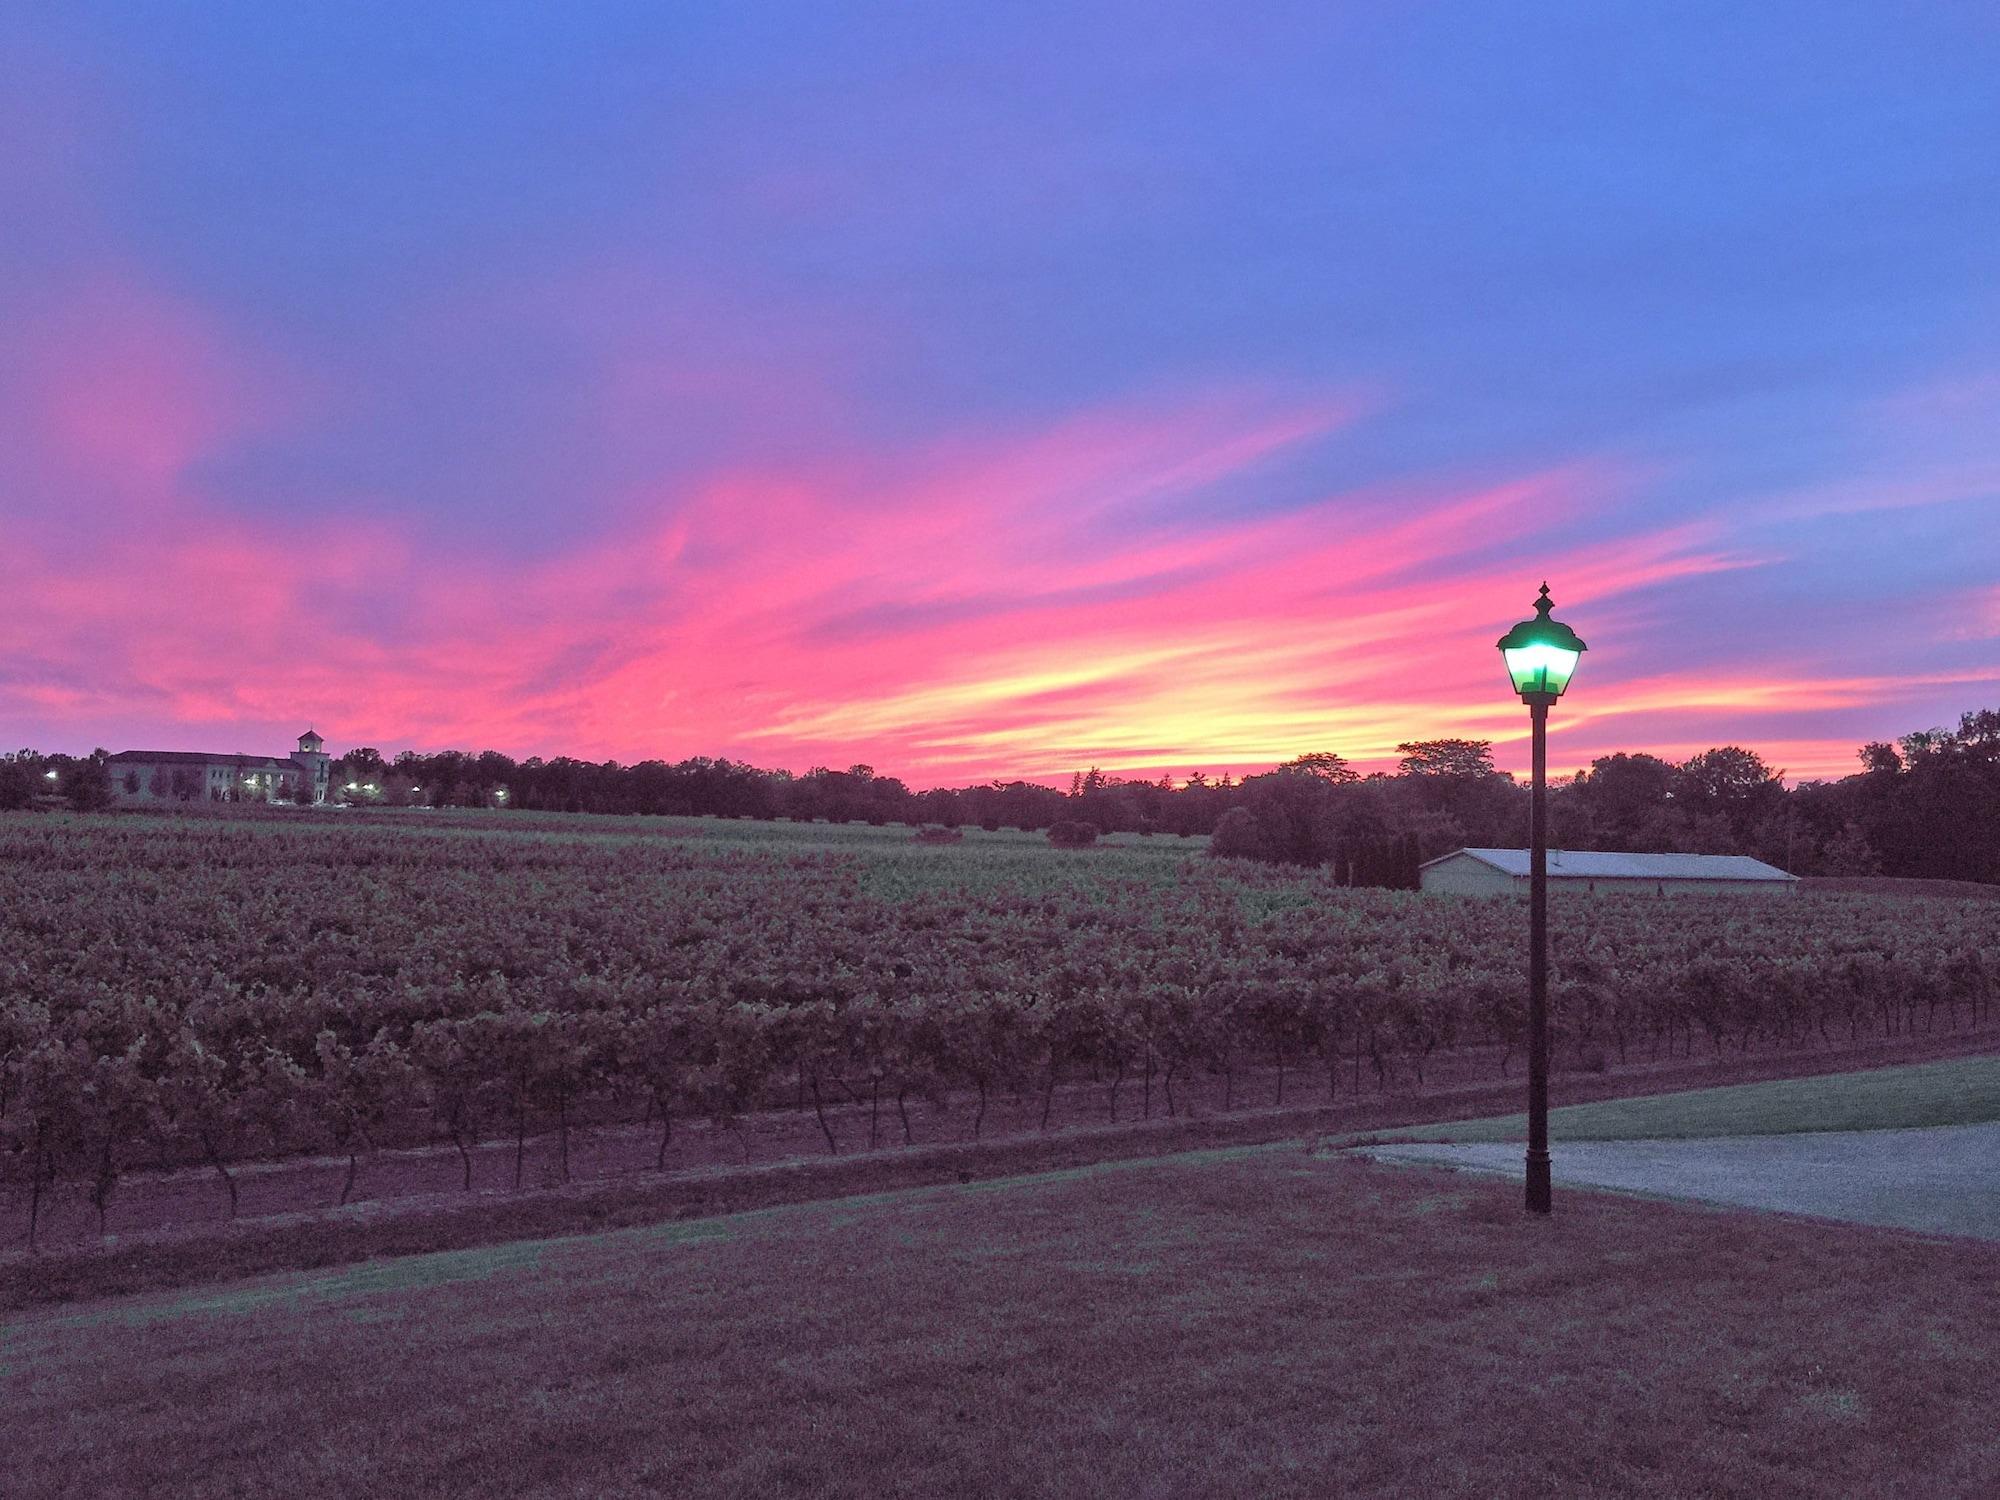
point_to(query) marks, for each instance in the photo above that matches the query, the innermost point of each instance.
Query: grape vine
(213, 991)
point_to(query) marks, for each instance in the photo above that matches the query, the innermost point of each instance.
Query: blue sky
(655, 347)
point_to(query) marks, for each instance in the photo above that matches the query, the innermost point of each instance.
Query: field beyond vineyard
(205, 991)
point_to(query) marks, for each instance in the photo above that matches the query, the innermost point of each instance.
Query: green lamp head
(1541, 654)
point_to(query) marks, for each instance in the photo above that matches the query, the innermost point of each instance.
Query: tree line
(1926, 805)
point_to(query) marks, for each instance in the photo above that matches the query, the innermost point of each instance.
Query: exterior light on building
(49, 776)
(1541, 654)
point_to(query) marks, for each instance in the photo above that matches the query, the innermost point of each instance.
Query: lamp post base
(1539, 1196)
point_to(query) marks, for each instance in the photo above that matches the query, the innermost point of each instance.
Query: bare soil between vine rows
(174, 1228)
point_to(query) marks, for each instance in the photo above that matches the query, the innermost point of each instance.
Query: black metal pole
(1538, 965)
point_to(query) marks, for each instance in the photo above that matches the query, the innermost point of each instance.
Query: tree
(1881, 756)
(87, 782)
(1919, 743)
(1457, 777)
(1729, 781)
(1236, 836)
(17, 781)
(493, 772)
(1934, 820)
(1979, 731)
(1851, 854)
(1292, 809)
(1625, 802)
(1452, 760)
(1324, 764)
(1624, 792)
(399, 790)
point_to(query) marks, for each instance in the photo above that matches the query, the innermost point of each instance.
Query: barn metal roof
(1581, 864)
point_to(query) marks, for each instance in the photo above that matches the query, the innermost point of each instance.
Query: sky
(995, 391)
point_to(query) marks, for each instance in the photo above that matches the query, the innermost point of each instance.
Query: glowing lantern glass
(1541, 653)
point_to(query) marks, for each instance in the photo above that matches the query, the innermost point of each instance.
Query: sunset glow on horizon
(812, 392)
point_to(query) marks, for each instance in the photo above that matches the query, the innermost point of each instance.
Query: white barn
(1500, 872)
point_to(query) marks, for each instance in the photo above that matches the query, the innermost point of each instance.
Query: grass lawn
(1962, 1091)
(1253, 1322)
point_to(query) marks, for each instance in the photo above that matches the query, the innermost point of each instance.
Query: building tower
(318, 765)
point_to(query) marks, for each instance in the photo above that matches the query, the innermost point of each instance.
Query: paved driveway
(1945, 1179)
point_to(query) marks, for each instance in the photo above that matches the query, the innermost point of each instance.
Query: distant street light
(48, 775)
(1541, 655)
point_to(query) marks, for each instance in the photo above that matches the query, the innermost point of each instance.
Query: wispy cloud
(953, 611)
(972, 406)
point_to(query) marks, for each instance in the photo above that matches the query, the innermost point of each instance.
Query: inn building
(150, 778)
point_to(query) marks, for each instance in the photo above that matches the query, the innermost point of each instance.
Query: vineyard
(218, 989)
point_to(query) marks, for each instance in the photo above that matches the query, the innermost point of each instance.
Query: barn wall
(1466, 876)
(1755, 890)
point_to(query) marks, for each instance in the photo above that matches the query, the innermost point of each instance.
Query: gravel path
(1945, 1179)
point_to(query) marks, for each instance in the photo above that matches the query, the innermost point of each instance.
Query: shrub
(1073, 834)
(1237, 836)
(991, 825)
(17, 789)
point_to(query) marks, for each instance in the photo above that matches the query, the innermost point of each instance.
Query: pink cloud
(991, 604)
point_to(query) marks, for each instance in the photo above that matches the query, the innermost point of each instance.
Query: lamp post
(1541, 655)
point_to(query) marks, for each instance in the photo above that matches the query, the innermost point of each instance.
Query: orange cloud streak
(1106, 592)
